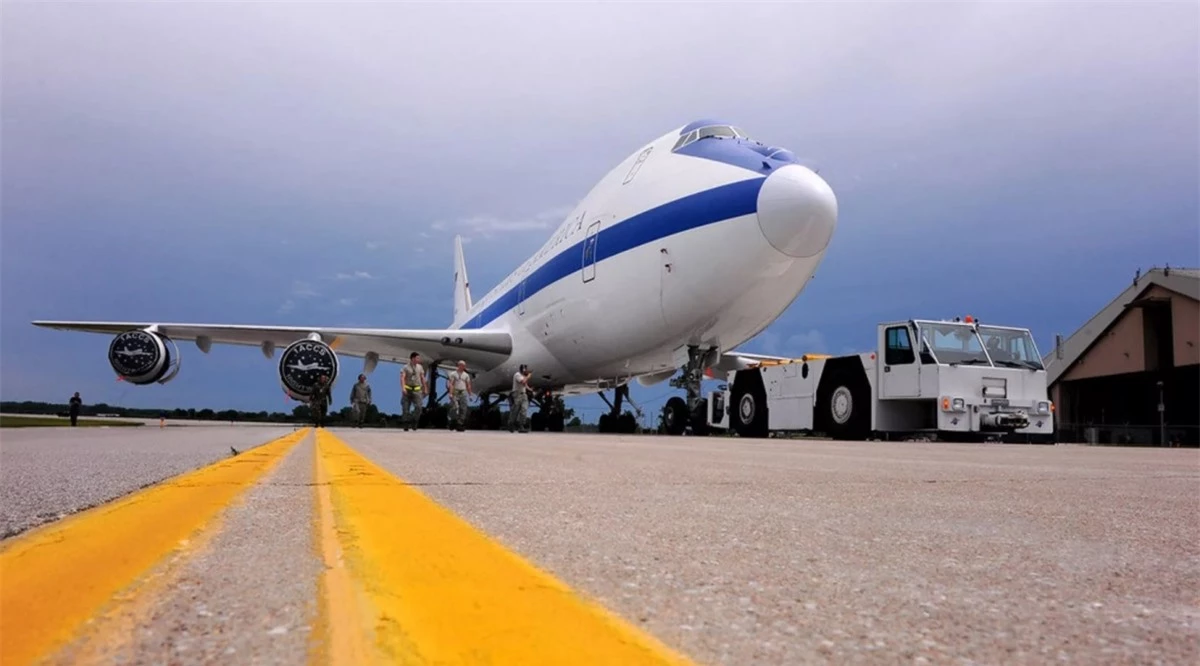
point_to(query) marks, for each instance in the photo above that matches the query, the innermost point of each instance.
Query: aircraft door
(901, 372)
(521, 298)
(589, 251)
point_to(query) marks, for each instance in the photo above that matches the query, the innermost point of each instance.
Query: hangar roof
(1185, 281)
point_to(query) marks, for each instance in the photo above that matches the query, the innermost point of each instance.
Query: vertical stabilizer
(462, 285)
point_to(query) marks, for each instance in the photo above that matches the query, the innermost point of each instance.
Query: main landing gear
(489, 416)
(680, 414)
(551, 413)
(615, 421)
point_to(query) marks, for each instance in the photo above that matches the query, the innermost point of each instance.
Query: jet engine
(144, 357)
(302, 364)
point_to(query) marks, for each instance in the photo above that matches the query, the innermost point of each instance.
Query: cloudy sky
(305, 163)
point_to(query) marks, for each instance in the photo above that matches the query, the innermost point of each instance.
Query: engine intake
(302, 364)
(143, 357)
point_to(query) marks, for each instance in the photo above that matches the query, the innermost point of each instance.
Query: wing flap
(481, 349)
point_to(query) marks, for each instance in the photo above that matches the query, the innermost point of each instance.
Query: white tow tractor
(968, 381)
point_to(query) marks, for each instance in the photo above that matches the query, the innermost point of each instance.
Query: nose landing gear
(680, 415)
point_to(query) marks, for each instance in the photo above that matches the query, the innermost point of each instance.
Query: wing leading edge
(481, 349)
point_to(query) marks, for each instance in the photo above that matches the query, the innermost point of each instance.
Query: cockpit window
(685, 140)
(722, 131)
(717, 131)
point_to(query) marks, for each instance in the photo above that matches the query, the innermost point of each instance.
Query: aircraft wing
(481, 349)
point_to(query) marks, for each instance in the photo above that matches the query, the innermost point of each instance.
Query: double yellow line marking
(406, 581)
(56, 577)
(417, 584)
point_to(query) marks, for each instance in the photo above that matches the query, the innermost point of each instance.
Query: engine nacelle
(302, 364)
(143, 357)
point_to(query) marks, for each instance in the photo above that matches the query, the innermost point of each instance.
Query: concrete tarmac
(47, 473)
(728, 551)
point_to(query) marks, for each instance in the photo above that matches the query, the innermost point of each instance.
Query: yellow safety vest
(411, 388)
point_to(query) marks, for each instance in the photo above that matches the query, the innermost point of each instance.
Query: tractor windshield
(953, 343)
(1011, 347)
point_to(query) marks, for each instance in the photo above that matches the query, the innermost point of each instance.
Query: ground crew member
(413, 387)
(360, 399)
(320, 401)
(519, 414)
(76, 404)
(460, 391)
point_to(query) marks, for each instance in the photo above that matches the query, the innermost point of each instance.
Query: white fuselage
(667, 250)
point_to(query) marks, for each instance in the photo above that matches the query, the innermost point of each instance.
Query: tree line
(437, 416)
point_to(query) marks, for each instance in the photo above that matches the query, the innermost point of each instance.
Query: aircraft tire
(700, 419)
(675, 416)
(627, 423)
(556, 421)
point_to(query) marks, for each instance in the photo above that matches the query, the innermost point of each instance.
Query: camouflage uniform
(458, 381)
(519, 414)
(412, 393)
(360, 399)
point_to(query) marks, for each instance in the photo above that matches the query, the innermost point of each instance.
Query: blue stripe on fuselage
(693, 211)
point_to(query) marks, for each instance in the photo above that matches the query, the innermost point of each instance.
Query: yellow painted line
(113, 629)
(53, 579)
(433, 589)
(337, 638)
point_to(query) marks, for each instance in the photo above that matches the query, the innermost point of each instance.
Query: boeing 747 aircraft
(688, 248)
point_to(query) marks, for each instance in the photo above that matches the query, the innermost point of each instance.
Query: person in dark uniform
(320, 401)
(76, 404)
(360, 399)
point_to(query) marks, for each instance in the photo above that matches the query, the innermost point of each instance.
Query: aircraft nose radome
(797, 211)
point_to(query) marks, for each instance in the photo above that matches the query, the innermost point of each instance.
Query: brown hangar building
(1107, 379)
